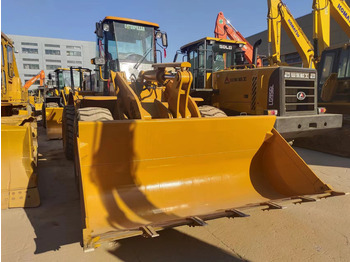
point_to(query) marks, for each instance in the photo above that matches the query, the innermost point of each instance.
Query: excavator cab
(334, 79)
(209, 55)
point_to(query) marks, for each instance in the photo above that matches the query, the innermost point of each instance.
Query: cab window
(10, 60)
(327, 67)
(343, 64)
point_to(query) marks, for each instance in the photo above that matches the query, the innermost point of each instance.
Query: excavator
(329, 63)
(68, 80)
(36, 100)
(19, 187)
(334, 62)
(333, 67)
(148, 158)
(224, 29)
(279, 15)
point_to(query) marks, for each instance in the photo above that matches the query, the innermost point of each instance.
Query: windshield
(64, 79)
(134, 43)
(222, 56)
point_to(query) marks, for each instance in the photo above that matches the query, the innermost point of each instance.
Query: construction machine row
(159, 145)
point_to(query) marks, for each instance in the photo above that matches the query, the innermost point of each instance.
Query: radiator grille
(300, 95)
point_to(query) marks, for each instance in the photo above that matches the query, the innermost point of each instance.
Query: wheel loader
(224, 79)
(68, 80)
(148, 158)
(19, 145)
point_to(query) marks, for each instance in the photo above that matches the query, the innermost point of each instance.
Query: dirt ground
(318, 231)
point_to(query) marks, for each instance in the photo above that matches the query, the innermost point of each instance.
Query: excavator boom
(322, 11)
(279, 14)
(224, 29)
(40, 76)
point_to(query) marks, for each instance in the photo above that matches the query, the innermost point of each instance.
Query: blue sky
(184, 21)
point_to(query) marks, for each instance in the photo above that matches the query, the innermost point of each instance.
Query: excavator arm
(322, 10)
(279, 14)
(224, 29)
(40, 76)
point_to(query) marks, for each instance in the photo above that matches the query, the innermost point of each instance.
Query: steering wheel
(133, 57)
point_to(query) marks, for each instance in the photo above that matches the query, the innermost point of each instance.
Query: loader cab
(334, 77)
(72, 77)
(127, 45)
(209, 55)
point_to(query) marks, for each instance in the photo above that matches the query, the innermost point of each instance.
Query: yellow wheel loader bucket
(137, 177)
(18, 167)
(54, 122)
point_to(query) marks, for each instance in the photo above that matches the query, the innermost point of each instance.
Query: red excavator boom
(224, 29)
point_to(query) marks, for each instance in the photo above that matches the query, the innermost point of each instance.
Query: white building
(34, 54)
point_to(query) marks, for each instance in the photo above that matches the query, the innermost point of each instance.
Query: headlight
(158, 35)
(106, 27)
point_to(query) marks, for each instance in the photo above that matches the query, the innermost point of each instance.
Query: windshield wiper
(136, 66)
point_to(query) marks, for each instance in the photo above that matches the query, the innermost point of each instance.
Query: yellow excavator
(18, 137)
(333, 67)
(334, 61)
(148, 158)
(331, 62)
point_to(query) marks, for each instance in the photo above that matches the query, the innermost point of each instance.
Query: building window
(52, 67)
(30, 66)
(74, 62)
(53, 60)
(29, 75)
(73, 53)
(73, 47)
(52, 52)
(30, 59)
(29, 50)
(293, 59)
(51, 45)
(27, 43)
(37, 82)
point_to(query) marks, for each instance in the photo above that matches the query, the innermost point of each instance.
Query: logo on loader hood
(301, 96)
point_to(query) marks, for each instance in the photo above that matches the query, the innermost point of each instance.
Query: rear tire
(43, 116)
(52, 104)
(210, 111)
(92, 114)
(68, 131)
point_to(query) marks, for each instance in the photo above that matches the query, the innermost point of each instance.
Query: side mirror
(164, 39)
(99, 61)
(99, 30)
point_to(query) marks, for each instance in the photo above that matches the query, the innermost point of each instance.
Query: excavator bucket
(54, 122)
(18, 167)
(138, 177)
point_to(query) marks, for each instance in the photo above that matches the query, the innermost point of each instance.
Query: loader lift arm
(224, 29)
(278, 13)
(322, 10)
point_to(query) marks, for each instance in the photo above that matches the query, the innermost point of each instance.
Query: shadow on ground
(319, 159)
(171, 245)
(57, 221)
